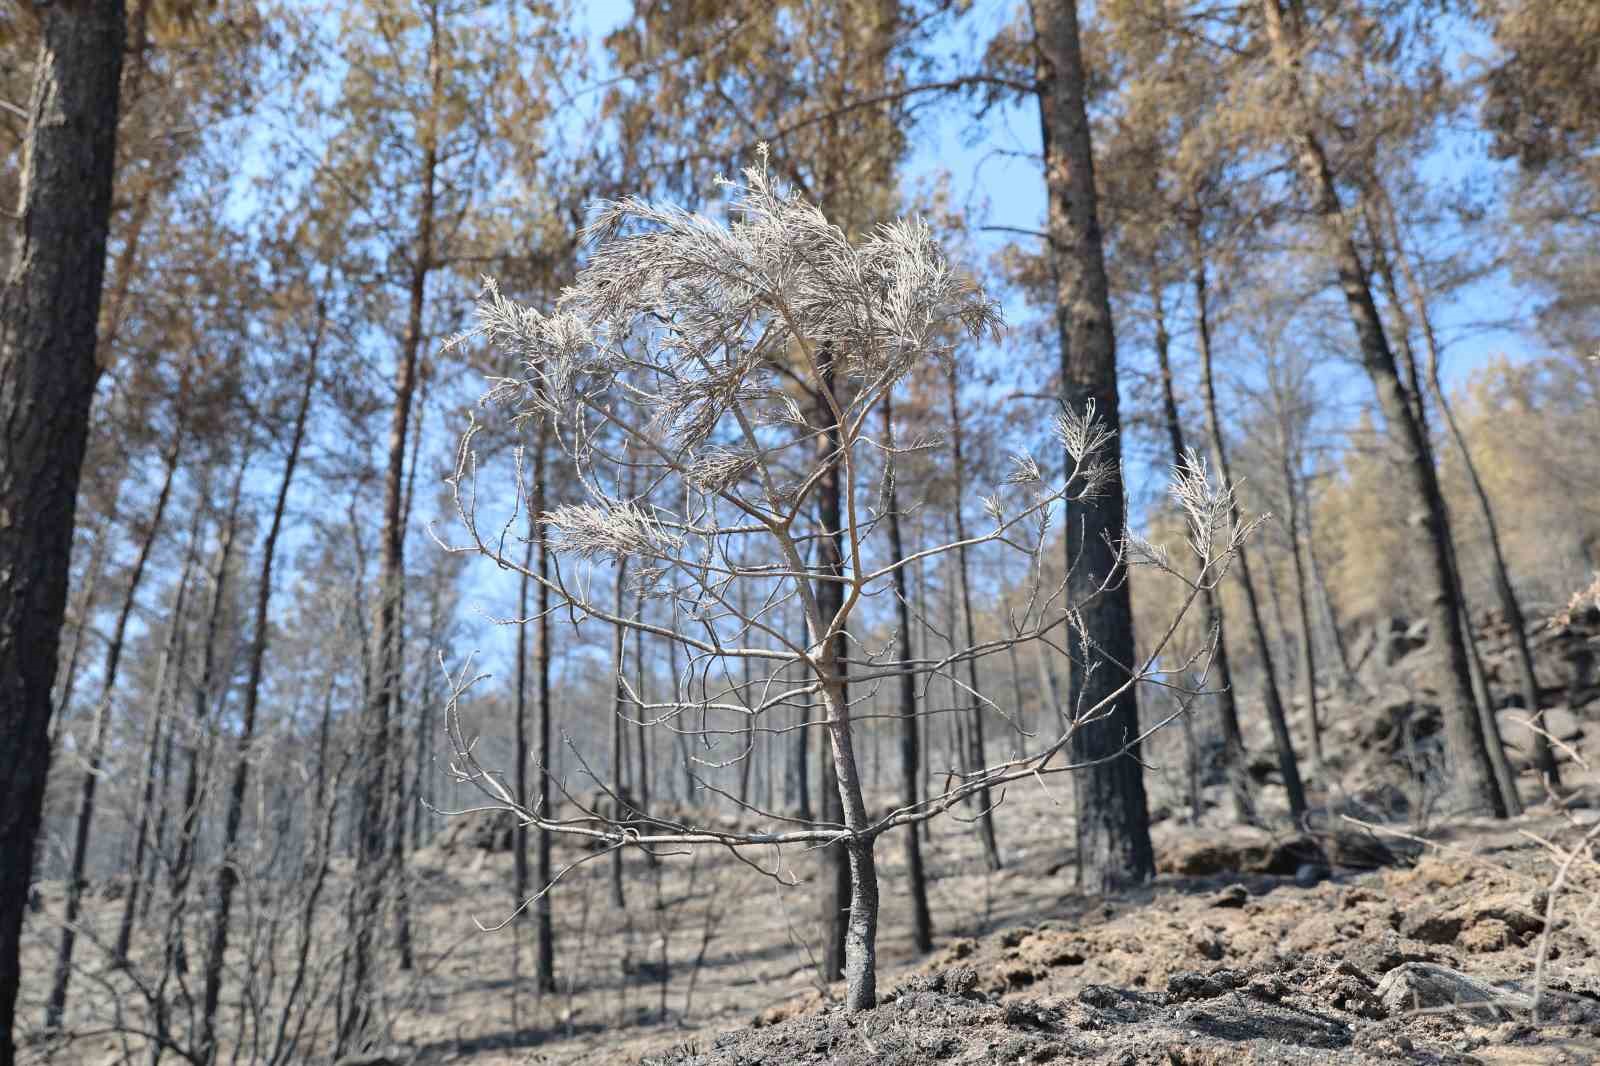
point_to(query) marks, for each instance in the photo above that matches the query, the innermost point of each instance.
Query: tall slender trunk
(1302, 588)
(849, 898)
(373, 853)
(1472, 773)
(977, 757)
(1510, 608)
(799, 769)
(1325, 596)
(49, 304)
(227, 876)
(1288, 764)
(1113, 820)
(423, 785)
(316, 861)
(1505, 776)
(919, 593)
(172, 695)
(1234, 763)
(519, 832)
(545, 965)
(916, 877)
(641, 745)
(1287, 653)
(156, 739)
(1017, 699)
(838, 860)
(197, 769)
(747, 763)
(403, 800)
(619, 697)
(80, 628)
(57, 1004)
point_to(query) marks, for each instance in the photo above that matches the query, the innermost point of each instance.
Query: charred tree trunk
(1113, 820)
(227, 877)
(1302, 589)
(1505, 777)
(1510, 608)
(545, 960)
(49, 304)
(849, 897)
(838, 859)
(373, 853)
(619, 696)
(977, 757)
(1472, 773)
(57, 1004)
(1288, 764)
(747, 763)
(799, 768)
(910, 762)
(1329, 608)
(80, 624)
(175, 953)
(519, 832)
(1233, 750)
(158, 746)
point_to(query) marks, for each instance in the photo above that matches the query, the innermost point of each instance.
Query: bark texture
(49, 304)
(1113, 821)
(834, 890)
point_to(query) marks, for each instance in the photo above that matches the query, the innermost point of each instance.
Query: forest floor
(1404, 935)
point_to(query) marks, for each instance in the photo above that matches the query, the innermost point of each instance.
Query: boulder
(1559, 722)
(1238, 851)
(1426, 986)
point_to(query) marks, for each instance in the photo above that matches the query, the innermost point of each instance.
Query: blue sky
(994, 174)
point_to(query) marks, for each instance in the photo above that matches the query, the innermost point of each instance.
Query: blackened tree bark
(519, 832)
(49, 304)
(227, 876)
(197, 769)
(1233, 750)
(1380, 235)
(1330, 610)
(373, 851)
(79, 617)
(57, 1004)
(1471, 774)
(1271, 697)
(1510, 608)
(158, 747)
(834, 889)
(545, 971)
(910, 761)
(976, 756)
(1113, 820)
(619, 696)
(799, 766)
(746, 764)
(1288, 459)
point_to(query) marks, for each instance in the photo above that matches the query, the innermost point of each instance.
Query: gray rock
(1424, 986)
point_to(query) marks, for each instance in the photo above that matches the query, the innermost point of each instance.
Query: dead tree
(672, 360)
